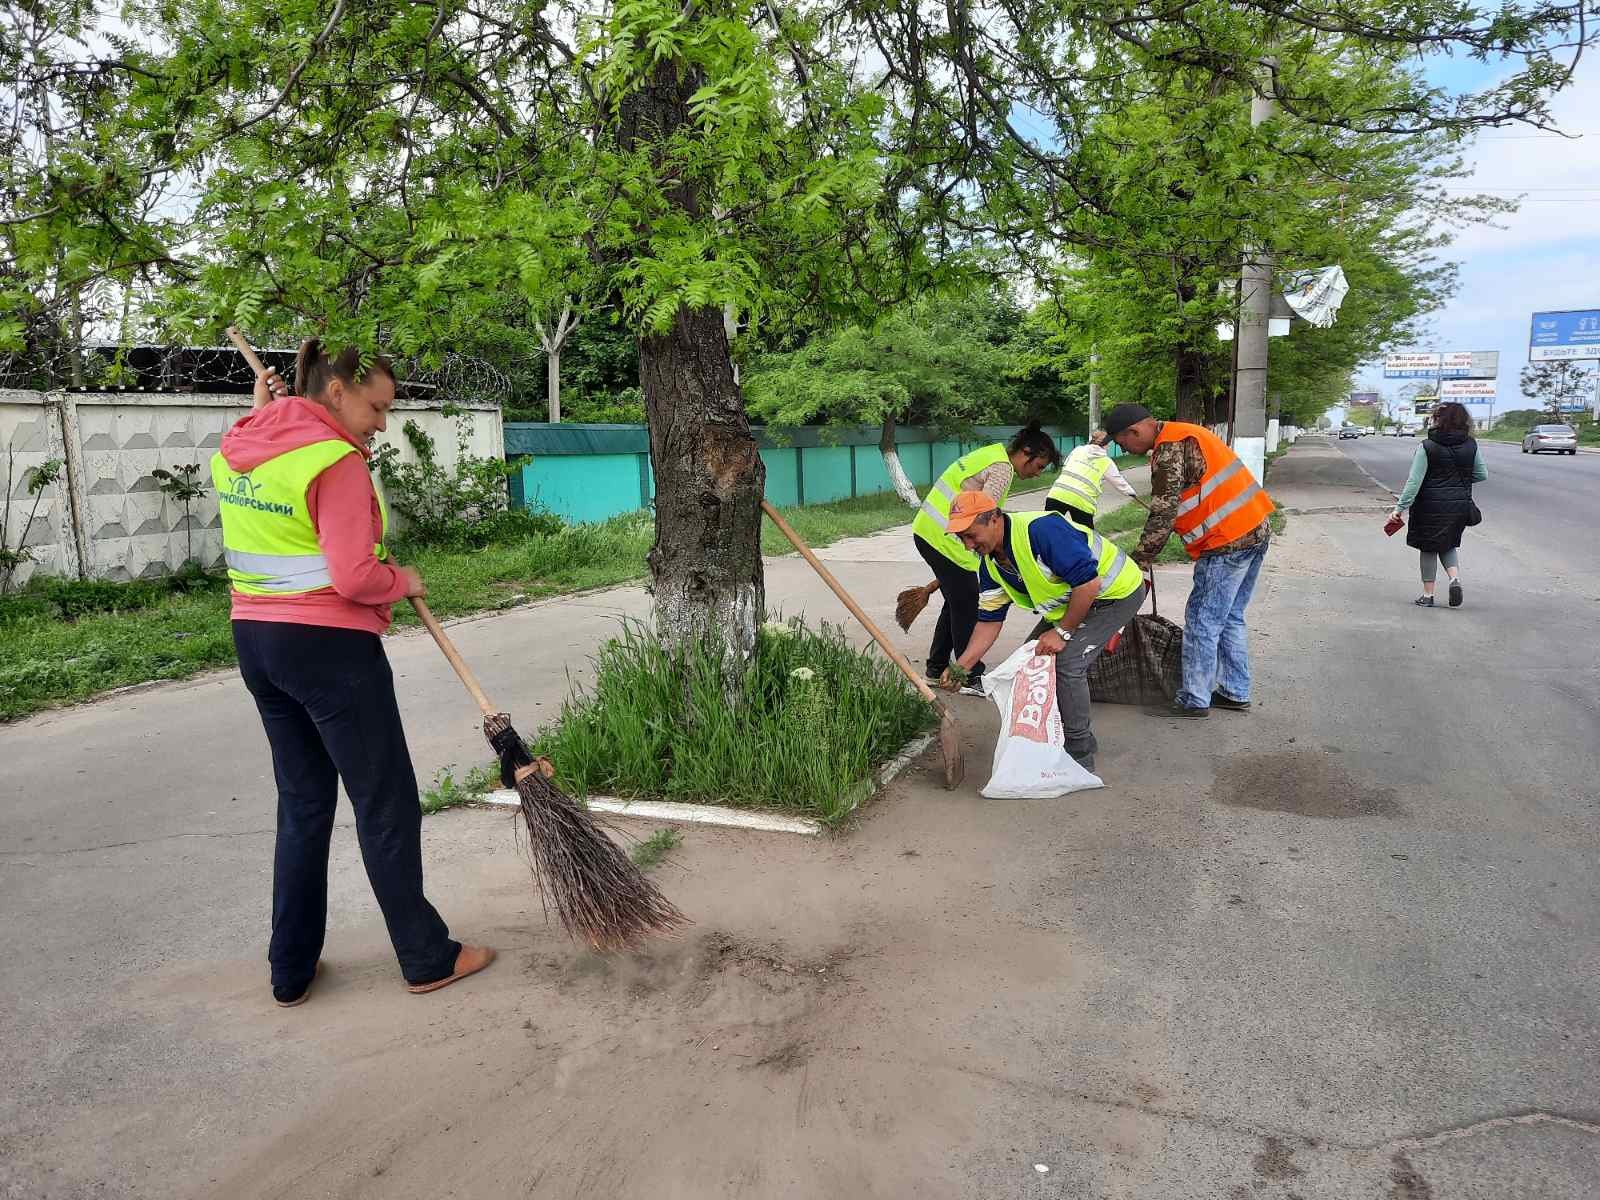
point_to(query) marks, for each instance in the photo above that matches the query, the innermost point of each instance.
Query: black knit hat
(1124, 415)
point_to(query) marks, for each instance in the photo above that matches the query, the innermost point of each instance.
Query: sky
(1546, 256)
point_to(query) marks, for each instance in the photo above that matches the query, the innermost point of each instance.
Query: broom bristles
(908, 605)
(600, 896)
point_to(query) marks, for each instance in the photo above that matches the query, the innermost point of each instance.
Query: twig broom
(600, 896)
(908, 605)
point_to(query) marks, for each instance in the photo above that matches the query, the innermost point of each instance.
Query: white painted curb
(716, 814)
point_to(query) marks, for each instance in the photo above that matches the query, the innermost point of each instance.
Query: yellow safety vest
(933, 517)
(1083, 477)
(267, 536)
(1119, 575)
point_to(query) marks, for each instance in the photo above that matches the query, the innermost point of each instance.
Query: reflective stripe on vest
(280, 573)
(1082, 479)
(1226, 504)
(1046, 595)
(934, 515)
(268, 540)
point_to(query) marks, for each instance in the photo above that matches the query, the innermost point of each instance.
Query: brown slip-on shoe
(469, 961)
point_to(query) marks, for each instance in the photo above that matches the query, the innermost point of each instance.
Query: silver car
(1558, 439)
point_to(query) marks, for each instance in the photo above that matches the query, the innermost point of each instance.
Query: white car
(1557, 439)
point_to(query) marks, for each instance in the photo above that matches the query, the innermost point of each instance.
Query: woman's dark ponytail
(1033, 441)
(314, 370)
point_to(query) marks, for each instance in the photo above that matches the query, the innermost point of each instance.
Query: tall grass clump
(804, 729)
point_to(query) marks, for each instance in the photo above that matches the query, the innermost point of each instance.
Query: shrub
(808, 724)
(465, 505)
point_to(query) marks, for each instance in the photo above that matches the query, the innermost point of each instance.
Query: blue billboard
(1564, 335)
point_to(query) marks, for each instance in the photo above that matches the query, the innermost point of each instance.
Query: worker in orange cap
(1081, 585)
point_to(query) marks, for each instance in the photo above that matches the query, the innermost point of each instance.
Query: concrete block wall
(110, 519)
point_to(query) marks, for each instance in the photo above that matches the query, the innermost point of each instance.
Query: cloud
(1547, 256)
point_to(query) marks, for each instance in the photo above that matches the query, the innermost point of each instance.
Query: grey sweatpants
(1073, 663)
(1431, 561)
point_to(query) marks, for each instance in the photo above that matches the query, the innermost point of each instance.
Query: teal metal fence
(586, 473)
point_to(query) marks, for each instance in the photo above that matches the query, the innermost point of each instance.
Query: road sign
(1411, 364)
(1468, 391)
(1469, 364)
(1364, 399)
(1563, 335)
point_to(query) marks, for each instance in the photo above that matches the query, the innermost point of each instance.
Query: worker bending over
(991, 470)
(1202, 491)
(1083, 588)
(1088, 469)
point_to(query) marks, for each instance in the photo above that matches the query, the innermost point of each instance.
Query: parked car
(1558, 439)
(1350, 431)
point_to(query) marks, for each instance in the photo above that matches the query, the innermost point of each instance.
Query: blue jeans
(1215, 654)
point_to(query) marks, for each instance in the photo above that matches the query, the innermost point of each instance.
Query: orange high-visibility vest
(1226, 504)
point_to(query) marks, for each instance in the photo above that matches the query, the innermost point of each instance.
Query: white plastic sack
(1030, 762)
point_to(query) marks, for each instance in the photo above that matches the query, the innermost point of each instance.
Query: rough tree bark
(1192, 383)
(903, 486)
(705, 565)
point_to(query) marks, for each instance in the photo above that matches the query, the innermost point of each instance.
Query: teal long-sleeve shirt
(1419, 471)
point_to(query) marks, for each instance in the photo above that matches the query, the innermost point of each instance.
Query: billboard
(1468, 391)
(1411, 364)
(1469, 364)
(1563, 335)
(1364, 400)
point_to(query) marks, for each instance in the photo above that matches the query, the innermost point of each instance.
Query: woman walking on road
(1439, 497)
(991, 470)
(303, 529)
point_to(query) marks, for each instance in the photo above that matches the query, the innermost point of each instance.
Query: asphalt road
(1550, 502)
(1343, 946)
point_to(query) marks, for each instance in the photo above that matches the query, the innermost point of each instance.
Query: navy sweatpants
(326, 698)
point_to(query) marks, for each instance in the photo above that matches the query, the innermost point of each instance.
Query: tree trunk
(903, 486)
(705, 566)
(1193, 385)
(706, 561)
(552, 380)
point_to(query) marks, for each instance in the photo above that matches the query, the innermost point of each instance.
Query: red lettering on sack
(1033, 699)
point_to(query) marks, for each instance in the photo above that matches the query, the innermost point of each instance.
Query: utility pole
(1255, 307)
(1094, 388)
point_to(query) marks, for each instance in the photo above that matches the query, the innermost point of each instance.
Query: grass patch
(654, 849)
(63, 641)
(807, 726)
(1125, 526)
(448, 792)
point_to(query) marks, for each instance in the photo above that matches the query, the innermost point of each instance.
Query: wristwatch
(1066, 634)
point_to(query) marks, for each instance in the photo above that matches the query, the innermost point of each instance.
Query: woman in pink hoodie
(303, 529)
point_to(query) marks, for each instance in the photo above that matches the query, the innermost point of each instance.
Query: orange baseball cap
(967, 508)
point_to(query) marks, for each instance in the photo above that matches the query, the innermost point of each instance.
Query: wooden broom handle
(464, 672)
(237, 338)
(884, 644)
